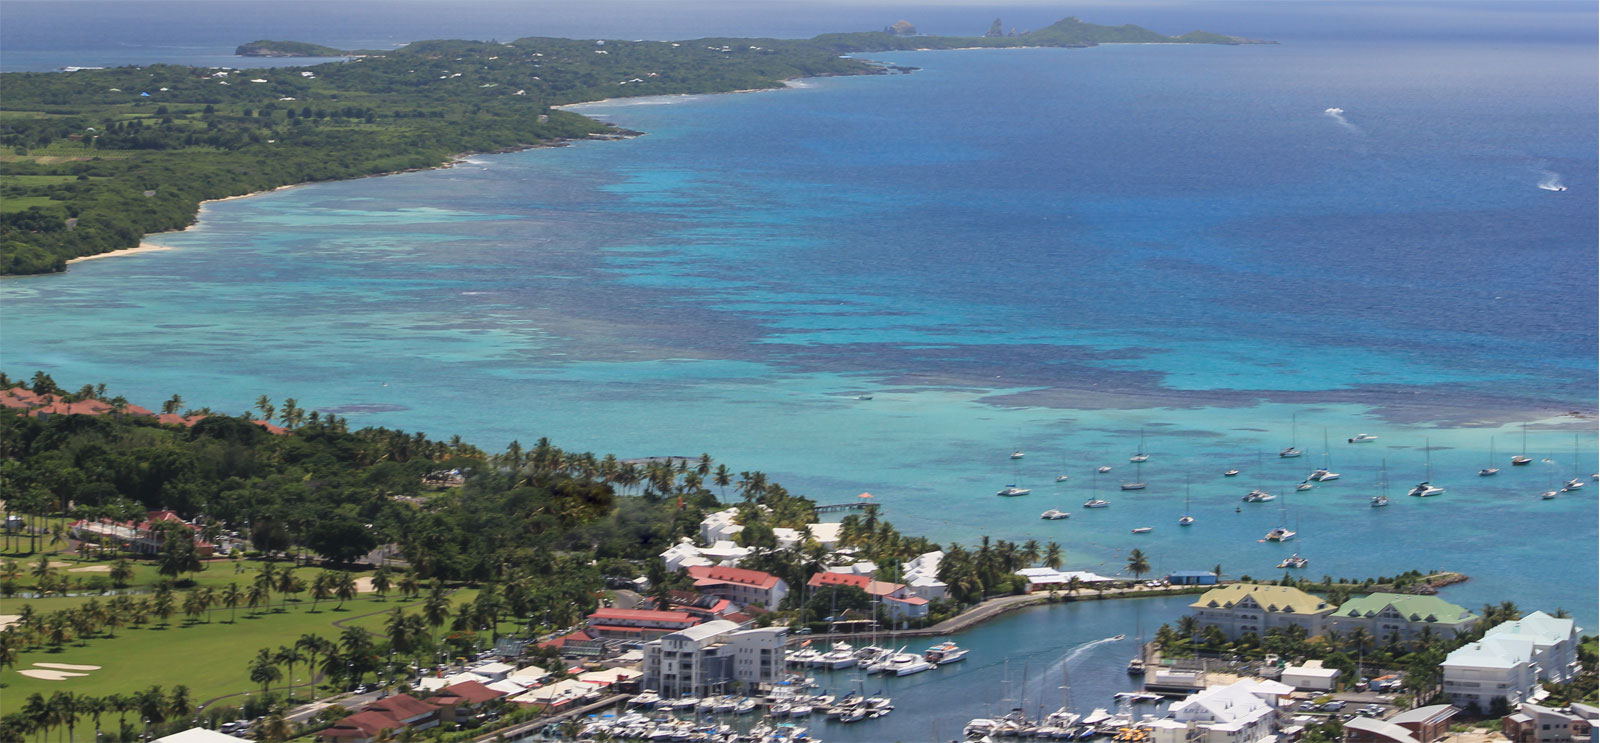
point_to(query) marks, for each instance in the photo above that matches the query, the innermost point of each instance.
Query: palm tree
(162, 605)
(1029, 553)
(65, 708)
(312, 646)
(121, 573)
(37, 712)
(288, 656)
(178, 703)
(321, 588)
(275, 727)
(436, 610)
(172, 405)
(94, 707)
(1052, 555)
(409, 585)
(230, 599)
(1138, 563)
(380, 581)
(264, 670)
(344, 588)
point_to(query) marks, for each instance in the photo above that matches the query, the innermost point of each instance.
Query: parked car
(1333, 706)
(1308, 706)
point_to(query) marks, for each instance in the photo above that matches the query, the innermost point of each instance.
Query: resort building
(1511, 660)
(1374, 730)
(1426, 724)
(1248, 608)
(685, 554)
(145, 537)
(635, 623)
(385, 716)
(922, 576)
(458, 702)
(1532, 723)
(1050, 579)
(1311, 676)
(743, 587)
(714, 658)
(723, 526)
(1242, 712)
(1408, 617)
(896, 599)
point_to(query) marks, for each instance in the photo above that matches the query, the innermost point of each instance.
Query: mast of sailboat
(1327, 452)
(1427, 453)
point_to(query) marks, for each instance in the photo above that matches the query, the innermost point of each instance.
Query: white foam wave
(1337, 114)
(1551, 181)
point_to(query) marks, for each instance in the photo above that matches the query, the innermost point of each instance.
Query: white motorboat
(1104, 469)
(1230, 473)
(1134, 485)
(1548, 495)
(1425, 490)
(1055, 514)
(1258, 496)
(1185, 520)
(1362, 438)
(1012, 491)
(647, 698)
(1018, 454)
(745, 706)
(836, 659)
(1096, 503)
(1144, 529)
(944, 652)
(1290, 453)
(1323, 476)
(1062, 478)
(1379, 501)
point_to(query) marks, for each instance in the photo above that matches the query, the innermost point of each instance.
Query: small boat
(1325, 472)
(1096, 503)
(1011, 491)
(1323, 475)
(1280, 534)
(1573, 484)
(745, 706)
(1140, 456)
(1258, 496)
(1144, 530)
(1136, 668)
(1303, 486)
(1018, 454)
(1292, 452)
(863, 397)
(1523, 458)
(1293, 561)
(944, 652)
(1548, 495)
(1425, 490)
(1104, 469)
(1062, 478)
(1491, 470)
(1185, 519)
(1379, 501)
(1362, 438)
(1230, 473)
(1134, 485)
(1055, 515)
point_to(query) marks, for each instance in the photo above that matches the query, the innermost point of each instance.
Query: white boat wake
(1551, 181)
(1338, 115)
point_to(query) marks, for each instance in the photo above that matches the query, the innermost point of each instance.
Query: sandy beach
(143, 248)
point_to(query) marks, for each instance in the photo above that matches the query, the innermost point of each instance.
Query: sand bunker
(363, 585)
(92, 569)
(67, 666)
(6, 620)
(48, 675)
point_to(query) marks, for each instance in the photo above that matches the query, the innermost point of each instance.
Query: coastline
(144, 247)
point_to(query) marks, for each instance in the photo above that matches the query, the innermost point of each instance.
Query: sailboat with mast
(1011, 491)
(1185, 519)
(1292, 452)
(1325, 474)
(1550, 493)
(1258, 495)
(1425, 489)
(1094, 496)
(1491, 470)
(1141, 455)
(1577, 478)
(1523, 458)
(1382, 498)
(1281, 533)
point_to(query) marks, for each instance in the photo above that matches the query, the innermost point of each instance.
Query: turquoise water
(1045, 249)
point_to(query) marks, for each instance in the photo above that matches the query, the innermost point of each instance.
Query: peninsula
(96, 159)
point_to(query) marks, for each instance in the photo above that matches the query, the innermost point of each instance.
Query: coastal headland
(100, 158)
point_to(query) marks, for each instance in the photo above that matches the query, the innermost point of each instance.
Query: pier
(844, 507)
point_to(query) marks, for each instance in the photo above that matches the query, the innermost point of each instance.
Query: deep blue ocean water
(1045, 249)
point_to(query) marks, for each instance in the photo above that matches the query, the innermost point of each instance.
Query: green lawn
(210, 658)
(39, 180)
(22, 203)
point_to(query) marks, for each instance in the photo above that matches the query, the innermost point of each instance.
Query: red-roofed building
(896, 598)
(458, 701)
(390, 713)
(62, 407)
(274, 430)
(558, 642)
(173, 419)
(142, 537)
(740, 585)
(609, 622)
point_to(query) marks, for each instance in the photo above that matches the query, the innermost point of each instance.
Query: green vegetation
(267, 48)
(134, 150)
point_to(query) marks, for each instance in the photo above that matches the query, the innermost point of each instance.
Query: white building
(722, 526)
(1511, 660)
(714, 658)
(1046, 579)
(685, 554)
(922, 576)
(1406, 616)
(1311, 676)
(1241, 712)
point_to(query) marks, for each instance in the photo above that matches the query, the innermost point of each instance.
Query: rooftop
(1272, 598)
(1412, 607)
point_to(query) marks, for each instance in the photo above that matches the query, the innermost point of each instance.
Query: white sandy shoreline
(144, 247)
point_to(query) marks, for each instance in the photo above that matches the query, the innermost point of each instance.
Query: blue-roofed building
(1192, 578)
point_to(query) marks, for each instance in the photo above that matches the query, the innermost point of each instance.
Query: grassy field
(209, 657)
(22, 203)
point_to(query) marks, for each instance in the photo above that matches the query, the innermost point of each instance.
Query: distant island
(96, 159)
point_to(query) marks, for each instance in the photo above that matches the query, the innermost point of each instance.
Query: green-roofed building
(1386, 615)
(1248, 608)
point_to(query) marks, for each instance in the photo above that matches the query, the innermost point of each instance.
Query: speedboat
(1290, 453)
(745, 706)
(1136, 667)
(647, 698)
(1362, 438)
(1230, 473)
(1018, 454)
(1323, 476)
(1134, 485)
(1574, 484)
(1096, 503)
(1258, 496)
(1548, 495)
(1055, 514)
(1011, 491)
(1144, 530)
(1293, 561)
(1379, 501)
(1104, 469)
(1303, 486)
(1424, 490)
(944, 652)
(1062, 478)
(905, 664)
(1280, 534)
